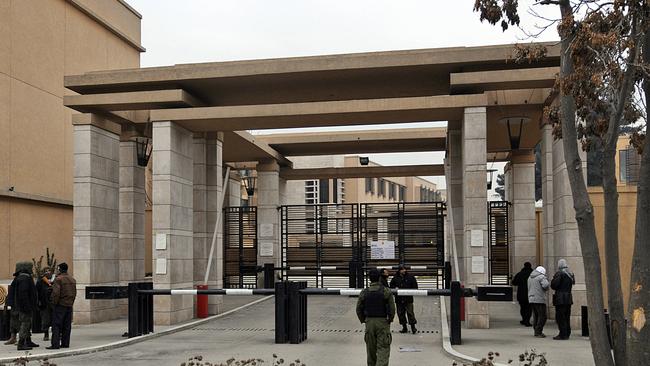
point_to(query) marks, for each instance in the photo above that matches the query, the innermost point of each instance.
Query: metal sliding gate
(417, 231)
(318, 242)
(499, 242)
(240, 247)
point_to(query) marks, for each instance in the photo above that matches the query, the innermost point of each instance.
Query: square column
(96, 217)
(475, 220)
(268, 216)
(201, 237)
(234, 190)
(173, 233)
(549, 260)
(455, 156)
(132, 204)
(214, 208)
(523, 243)
(565, 231)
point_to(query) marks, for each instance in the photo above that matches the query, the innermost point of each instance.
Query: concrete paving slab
(100, 334)
(510, 339)
(335, 337)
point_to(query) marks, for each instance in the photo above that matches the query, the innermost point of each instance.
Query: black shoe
(522, 322)
(541, 335)
(404, 329)
(30, 343)
(65, 346)
(22, 346)
(560, 338)
(51, 347)
(413, 329)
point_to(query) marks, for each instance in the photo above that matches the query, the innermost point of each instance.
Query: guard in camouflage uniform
(376, 308)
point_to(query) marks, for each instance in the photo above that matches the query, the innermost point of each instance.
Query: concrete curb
(127, 342)
(446, 342)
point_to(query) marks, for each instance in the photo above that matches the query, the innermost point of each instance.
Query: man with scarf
(562, 283)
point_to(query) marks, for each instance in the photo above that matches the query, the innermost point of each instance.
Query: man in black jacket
(25, 304)
(44, 290)
(562, 283)
(404, 280)
(521, 281)
(14, 325)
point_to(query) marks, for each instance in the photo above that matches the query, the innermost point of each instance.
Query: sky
(193, 31)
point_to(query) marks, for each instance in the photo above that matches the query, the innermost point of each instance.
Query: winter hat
(541, 270)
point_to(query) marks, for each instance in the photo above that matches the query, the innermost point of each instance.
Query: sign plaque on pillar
(266, 248)
(478, 264)
(161, 266)
(161, 241)
(476, 238)
(266, 230)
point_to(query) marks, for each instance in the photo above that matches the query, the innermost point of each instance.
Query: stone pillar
(96, 216)
(200, 227)
(523, 244)
(550, 261)
(234, 190)
(565, 231)
(214, 208)
(172, 220)
(132, 204)
(475, 219)
(455, 141)
(268, 216)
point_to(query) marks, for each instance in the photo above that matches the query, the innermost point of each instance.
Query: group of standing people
(376, 308)
(532, 289)
(51, 296)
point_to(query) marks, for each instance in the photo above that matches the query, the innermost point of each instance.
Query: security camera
(363, 160)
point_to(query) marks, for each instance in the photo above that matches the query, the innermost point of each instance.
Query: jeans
(539, 317)
(61, 326)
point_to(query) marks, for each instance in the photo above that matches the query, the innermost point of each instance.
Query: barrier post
(585, 321)
(201, 303)
(447, 275)
(281, 312)
(134, 310)
(454, 326)
(353, 272)
(295, 312)
(146, 302)
(269, 275)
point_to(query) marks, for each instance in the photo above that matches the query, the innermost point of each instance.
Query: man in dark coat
(404, 280)
(14, 322)
(562, 283)
(25, 304)
(384, 277)
(521, 281)
(44, 290)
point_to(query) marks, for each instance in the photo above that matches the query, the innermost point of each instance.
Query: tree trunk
(584, 210)
(638, 340)
(612, 264)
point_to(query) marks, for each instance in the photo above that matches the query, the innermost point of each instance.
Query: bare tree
(600, 64)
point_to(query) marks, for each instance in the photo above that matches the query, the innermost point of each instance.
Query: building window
(402, 193)
(324, 191)
(629, 165)
(370, 185)
(311, 192)
(381, 187)
(392, 190)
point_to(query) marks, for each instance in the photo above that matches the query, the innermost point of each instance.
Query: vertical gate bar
(240, 239)
(400, 229)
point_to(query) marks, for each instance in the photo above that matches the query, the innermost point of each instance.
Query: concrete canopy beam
(316, 114)
(357, 142)
(137, 100)
(364, 172)
(241, 146)
(539, 77)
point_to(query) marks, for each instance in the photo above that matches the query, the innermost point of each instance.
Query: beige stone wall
(29, 228)
(626, 225)
(40, 42)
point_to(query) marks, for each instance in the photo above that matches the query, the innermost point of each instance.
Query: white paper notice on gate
(382, 249)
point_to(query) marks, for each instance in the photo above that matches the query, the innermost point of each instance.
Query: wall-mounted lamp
(143, 147)
(249, 181)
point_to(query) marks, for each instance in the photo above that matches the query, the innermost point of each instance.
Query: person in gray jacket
(537, 287)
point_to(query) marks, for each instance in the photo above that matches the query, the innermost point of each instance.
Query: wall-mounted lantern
(249, 181)
(143, 147)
